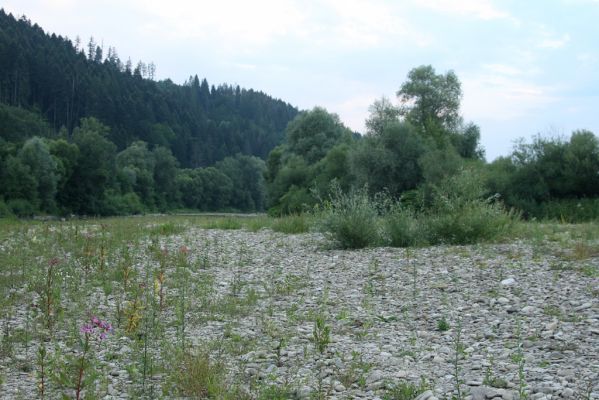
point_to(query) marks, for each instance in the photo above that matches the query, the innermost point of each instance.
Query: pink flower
(86, 329)
(103, 327)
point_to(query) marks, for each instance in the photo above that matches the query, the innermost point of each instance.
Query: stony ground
(506, 320)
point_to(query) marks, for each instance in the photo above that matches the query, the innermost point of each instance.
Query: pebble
(387, 334)
(508, 282)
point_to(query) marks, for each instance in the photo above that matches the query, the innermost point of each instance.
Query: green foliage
(17, 181)
(321, 334)
(404, 227)
(294, 223)
(5, 210)
(247, 176)
(43, 169)
(406, 390)
(568, 210)
(198, 123)
(18, 124)
(388, 161)
(21, 207)
(84, 191)
(195, 375)
(443, 325)
(431, 101)
(315, 153)
(115, 203)
(541, 177)
(461, 214)
(313, 133)
(382, 115)
(350, 220)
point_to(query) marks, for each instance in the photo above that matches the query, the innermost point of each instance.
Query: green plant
(321, 334)
(458, 353)
(443, 325)
(195, 375)
(350, 220)
(492, 380)
(404, 227)
(295, 223)
(519, 359)
(42, 364)
(461, 214)
(406, 390)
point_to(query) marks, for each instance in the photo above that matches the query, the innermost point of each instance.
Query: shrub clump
(461, 213)
(458, 211)
(350, 220)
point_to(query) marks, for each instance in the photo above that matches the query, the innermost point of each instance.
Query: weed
(292, 224)
(406, 390)
(458, 353)
(443, 325)
(321, 334)
(195, 375)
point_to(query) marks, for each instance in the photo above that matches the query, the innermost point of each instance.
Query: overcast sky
(526, 67)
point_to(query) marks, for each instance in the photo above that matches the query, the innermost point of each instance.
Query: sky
(526, 67)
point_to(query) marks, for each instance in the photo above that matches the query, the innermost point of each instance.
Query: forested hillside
(65, 81)
(83, 132)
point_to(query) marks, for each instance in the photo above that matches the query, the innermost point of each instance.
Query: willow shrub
(350, 220)
(463, 213)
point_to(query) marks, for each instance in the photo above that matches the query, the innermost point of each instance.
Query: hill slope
(199, 123)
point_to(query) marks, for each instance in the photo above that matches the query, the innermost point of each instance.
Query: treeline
(85, 174)
(412, 150)
(87, 134)
(62, 82)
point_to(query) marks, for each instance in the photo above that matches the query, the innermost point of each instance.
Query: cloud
(480, 9)
(500, 97)
(361, 23)
(554, 42)
(349, 24)
(353, 110)
(242, 22)
(502, 69)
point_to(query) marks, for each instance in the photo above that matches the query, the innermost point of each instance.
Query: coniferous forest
(85, 132)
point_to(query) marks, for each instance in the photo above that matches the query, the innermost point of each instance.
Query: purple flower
(86, 329)
(103, 327)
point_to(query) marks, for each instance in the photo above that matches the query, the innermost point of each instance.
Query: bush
(5, 210)
(404, 228)
(122, 204)
(461, 214)
(351, 220)
(21, 208)
(569, 210)
(473, 223)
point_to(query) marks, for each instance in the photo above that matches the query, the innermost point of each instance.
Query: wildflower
(86, 329)
(184, 249)
(54, 261)
(96, 325)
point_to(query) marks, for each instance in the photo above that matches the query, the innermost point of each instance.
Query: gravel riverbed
(499, 320)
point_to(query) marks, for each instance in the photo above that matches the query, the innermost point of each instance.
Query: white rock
(508, 282)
